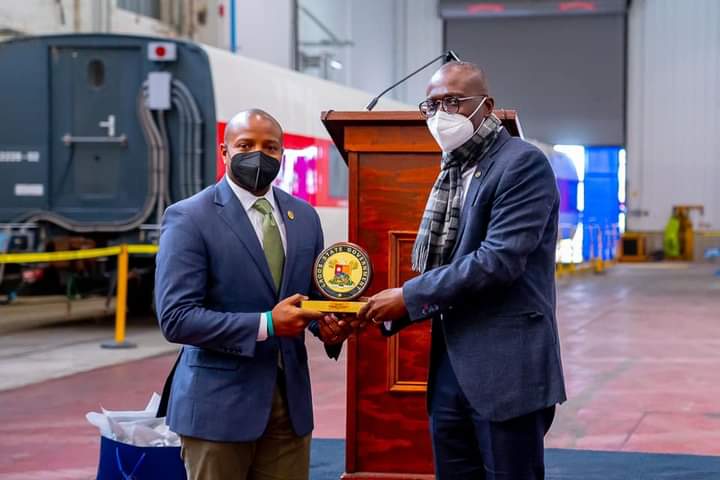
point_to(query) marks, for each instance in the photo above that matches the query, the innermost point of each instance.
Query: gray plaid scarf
(439, 225)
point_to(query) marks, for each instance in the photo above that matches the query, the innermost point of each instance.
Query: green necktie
(272, 242)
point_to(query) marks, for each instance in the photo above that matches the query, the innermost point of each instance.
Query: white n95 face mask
(451, 130)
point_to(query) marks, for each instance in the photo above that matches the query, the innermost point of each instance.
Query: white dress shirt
(466, 179)
(247, 200)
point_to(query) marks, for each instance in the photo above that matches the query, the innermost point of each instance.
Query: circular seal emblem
(343, 271)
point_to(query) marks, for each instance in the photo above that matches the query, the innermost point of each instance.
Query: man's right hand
(289, 320)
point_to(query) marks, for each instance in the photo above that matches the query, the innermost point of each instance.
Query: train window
(96, 73)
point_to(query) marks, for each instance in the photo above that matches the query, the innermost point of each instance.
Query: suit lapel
(292, 236)
(478, 176)
(232, 212)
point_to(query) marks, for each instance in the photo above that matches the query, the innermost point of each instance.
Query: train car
(100, 133)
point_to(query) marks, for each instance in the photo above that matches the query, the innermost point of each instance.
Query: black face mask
(254, 171)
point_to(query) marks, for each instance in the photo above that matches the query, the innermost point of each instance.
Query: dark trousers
(468, 447)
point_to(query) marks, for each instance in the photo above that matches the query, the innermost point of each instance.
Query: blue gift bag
(121, 461)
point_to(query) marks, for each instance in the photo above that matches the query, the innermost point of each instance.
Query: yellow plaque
(331, 306)
(342, 273)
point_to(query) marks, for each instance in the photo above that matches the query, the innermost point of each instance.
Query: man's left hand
(386, 306)
(334, 330)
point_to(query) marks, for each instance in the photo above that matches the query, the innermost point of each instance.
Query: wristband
(270, 327)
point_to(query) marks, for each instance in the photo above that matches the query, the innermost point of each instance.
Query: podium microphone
(448, 56)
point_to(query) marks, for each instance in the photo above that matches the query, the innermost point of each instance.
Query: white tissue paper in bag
(139, 428)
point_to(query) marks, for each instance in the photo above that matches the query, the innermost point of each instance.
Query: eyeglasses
(428, 108)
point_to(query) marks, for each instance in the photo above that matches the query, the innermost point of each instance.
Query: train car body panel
(294, 98)
(72, 148)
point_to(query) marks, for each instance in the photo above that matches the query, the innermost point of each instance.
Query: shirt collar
(247, 199)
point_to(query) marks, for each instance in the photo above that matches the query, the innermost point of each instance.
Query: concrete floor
(31, 356)
(641, 348)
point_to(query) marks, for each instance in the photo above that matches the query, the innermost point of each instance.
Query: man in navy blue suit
(235, 262)
(485, 251)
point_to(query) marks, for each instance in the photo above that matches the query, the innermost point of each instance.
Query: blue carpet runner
(328, 462)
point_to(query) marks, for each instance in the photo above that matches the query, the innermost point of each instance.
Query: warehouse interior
(116, 110)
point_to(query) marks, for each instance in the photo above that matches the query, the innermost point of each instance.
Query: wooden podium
(393, 162)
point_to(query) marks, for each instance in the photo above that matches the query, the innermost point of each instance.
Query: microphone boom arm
(448, 56)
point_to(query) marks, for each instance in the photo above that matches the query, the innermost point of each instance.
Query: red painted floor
(641, 348)
(43, 431)
(44, 434)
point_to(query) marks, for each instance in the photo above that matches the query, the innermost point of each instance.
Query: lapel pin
(291, 215)
(478, 174)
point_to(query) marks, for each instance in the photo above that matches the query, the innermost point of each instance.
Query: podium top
(337, 122)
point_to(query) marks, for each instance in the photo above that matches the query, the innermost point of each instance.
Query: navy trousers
(468, 447)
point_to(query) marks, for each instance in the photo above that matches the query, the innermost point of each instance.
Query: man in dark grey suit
(485, 252)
